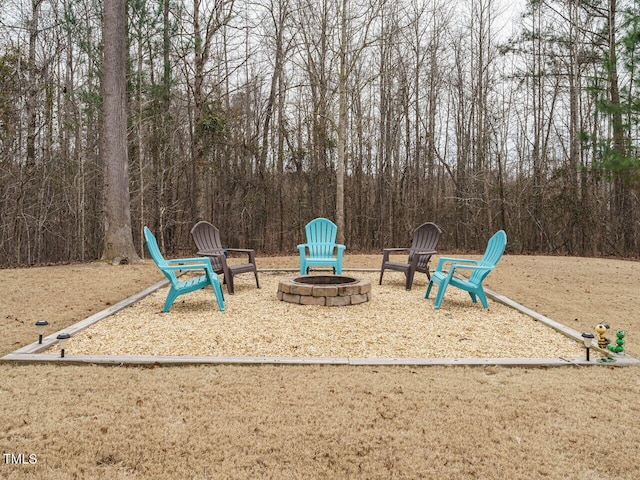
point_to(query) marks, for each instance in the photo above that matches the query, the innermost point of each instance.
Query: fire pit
(329, 290)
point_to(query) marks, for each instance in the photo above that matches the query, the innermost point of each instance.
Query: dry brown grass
(216, 422)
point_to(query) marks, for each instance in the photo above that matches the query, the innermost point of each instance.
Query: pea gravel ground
(393, 324)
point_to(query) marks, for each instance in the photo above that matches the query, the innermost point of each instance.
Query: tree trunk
(621, 188)
(342, 126)
(118, 246)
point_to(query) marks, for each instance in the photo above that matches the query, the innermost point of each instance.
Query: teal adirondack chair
(479, 268)
(169, 268)
(321, 246)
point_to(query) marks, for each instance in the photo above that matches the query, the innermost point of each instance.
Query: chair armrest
(471, 267)
(208, 253)
(444, 260)
(189, 260)
(217, 258)
(425, 252)
(457, 266)
(186, 267)
(251, 254)
(387, 251)
(191, 266)
(302, 246)
(335, 246)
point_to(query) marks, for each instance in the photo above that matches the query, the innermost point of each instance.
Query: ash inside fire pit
(325, 280)
(329, 290)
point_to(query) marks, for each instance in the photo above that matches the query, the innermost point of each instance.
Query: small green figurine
(619, 346)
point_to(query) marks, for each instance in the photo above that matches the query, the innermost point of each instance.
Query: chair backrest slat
(207, 239)
(321, 237)
(425, 238)
(156, 255)
(495, 248)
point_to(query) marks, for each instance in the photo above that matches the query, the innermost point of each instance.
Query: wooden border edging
(186, 360)
(87, 322)
(559, 327)
(30, 353)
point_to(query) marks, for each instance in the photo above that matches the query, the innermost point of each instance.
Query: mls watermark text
(20, 458)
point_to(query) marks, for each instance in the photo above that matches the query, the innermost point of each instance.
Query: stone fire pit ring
(328, 290)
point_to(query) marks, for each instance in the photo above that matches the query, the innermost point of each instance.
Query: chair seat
(463, 284)
(438, 277)
(423, 245)
(207, 240)
(193, 284)
(321, 249)
(242, 268)
(396, 266)
(178, 287)
(478, 271)
(321, 260)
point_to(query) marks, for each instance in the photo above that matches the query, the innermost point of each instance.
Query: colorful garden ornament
(619, 346)
(601, 329)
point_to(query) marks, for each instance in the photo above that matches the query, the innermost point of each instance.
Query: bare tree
(355, 27)
(262, 115)
(118, 246)
(206, 24)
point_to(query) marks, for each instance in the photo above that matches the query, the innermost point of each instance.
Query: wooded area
(380, 115)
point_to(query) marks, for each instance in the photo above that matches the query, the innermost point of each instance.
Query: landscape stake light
(587, 338)
(41, 325)
(62, 339)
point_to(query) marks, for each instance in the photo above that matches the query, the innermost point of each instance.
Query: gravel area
(393, 324)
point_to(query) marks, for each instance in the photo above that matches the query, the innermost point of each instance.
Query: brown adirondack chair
(207, 240)
(425, 241)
